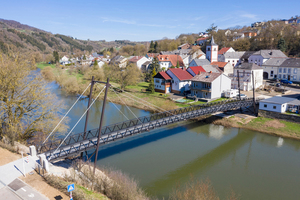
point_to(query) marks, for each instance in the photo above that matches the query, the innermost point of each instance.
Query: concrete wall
(275, 115)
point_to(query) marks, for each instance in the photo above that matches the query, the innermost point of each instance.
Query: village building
(212, 51)
(231, 57)
(226, 67)
(260, 57)
(209, 85)
(271, 68)
(151, 56)
(184, 46)
(201, 41)
(195, 70)
(290, 69)
(138, 60)
(166, 61)
(199, 62)
(280, 104)
(162, 83)
(180, 80)
(119, 60)
(245, 76)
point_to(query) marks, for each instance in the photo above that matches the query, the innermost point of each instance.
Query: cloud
(249, 16)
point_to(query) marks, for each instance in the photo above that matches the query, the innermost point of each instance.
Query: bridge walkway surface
(81, 142)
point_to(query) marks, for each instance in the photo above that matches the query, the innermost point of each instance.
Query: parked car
(243, 96)
(275, 79)
(286, 81)
(278, 85)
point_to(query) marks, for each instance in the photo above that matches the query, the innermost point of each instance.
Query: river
(252, 164)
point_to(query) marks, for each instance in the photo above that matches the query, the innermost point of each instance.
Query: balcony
(166, 84)
(201, 89)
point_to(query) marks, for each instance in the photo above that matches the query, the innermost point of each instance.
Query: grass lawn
(43, 65)
(138, 87)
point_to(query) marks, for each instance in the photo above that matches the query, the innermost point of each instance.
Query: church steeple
(212, 51)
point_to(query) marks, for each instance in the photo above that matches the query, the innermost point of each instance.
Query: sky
(141, 20)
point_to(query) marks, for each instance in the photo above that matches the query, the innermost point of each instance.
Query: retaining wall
(276, 115)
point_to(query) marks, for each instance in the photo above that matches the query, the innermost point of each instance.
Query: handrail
(75, 138)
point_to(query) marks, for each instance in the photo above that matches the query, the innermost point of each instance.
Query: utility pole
(238, 74)
(101, 120)
(253, 86)
(87, 113)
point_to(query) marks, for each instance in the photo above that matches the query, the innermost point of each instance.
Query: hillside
(24, 38)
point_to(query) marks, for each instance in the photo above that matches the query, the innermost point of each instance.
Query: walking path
(13, 188)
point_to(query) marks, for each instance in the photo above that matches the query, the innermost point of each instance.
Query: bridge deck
(85, 141)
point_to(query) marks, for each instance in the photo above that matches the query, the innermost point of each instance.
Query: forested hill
(23, 38)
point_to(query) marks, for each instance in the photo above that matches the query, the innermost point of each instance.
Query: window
(215, 49)
(274, 107)
(272, 72)
(295, 77)
(208, 49)
(232, 60)
(295, 71)
(284, 70)
(289, 70)
(280, 70)
(283, 76)
(265, 105)
(279, 75)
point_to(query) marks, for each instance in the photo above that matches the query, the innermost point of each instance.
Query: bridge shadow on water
(142, 139)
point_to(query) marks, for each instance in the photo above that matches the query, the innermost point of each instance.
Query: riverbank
(269, 126)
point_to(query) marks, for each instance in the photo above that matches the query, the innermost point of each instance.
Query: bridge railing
(75, 138)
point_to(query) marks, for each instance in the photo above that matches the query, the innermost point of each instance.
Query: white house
(151, 56)
(167, 61)
(278, 104)
(262, 56)
(245, 73)
(162, 82)
(199, 62)
(180, 80)
(138, 60)
(64, 60)
(231, 57)
(271, 67)
(201, 41)
(290, 70)
(209, 85)
(226, 67)
(212, 51)
(225, 50)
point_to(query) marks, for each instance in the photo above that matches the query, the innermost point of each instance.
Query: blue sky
(141, 20)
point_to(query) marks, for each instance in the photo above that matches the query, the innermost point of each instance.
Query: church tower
(212, 51)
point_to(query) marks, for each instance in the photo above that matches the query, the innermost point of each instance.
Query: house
(119, 60)
(151, 56)
(145, 66)
(290, 69)
(162, 82)
(225, 49)
(249, 34)
(212, 68)
(212, 51)
(271, 68)
(100, 63)
(237, 36)
(209, 85)
(203, 34)
(245, 76)
(195, 70)
(201, 41)
(167, 61)
(138, 60)
(226, 67)
(184, 46)
(259, 57)
(64, 60)
(199, 62)
(186, 60)
(245, 56)
(231, 57)
(280, 104)
(180, 80)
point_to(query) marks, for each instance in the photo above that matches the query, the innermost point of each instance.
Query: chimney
(199, 72)
(210, 72)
